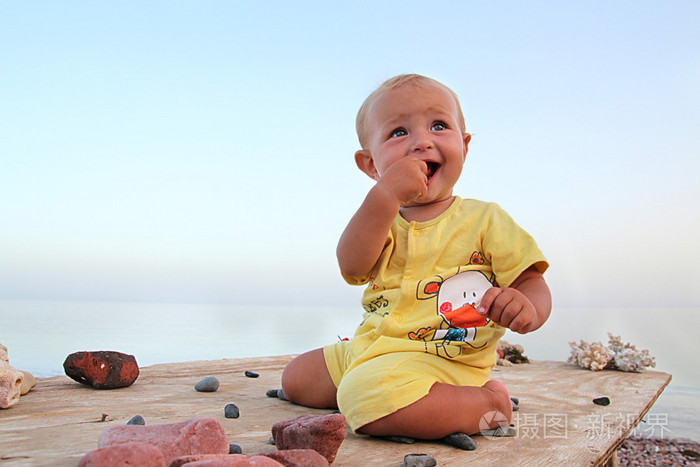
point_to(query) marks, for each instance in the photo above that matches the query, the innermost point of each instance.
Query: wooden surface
(60, 420)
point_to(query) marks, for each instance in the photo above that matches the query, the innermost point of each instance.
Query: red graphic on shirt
(463, 317)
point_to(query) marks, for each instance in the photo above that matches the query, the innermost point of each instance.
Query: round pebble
(515, 407)
(419, 460)
(251, 374)
(601, 401)
(281, 395)
(272, 392)
(231, 411)
(401, 439)
(234, 449)
(208, 384)
(271, 440)
(515, 400)
(136, 420)
(460, 441)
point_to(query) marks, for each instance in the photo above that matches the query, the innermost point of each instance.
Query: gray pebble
(419, 460)
(272, 392)
(601, 401)
(271, 440)
(231, 411)
(500, 432)
(251, 374)
(208, 384)
(515, 400)
(136, 420)
(401, 439)
(460, 440)
(234, 449)
(515, 407)
(281, 395)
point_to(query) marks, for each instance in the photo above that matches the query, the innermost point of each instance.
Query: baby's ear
(363, 159)
(467, 138)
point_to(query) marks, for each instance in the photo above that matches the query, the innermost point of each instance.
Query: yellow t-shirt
(422, 293)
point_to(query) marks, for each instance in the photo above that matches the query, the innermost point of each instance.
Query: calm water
(40, 334)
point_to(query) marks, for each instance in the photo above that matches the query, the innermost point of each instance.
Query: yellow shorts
(377, 382)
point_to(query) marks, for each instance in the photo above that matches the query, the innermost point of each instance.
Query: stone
(500, 432)
(322, 433)
(227, 460)
(136, 420)
(515, 406)
(102, 369)
(3, 354)
(297, 458)
(280, 395)
(191, 437)
(419, 460)
(251, 374)
(460, 441)
(272, 392)
(401, 439)
(515, 400)
(601, 401)
(28, 383)
(135, 453)
(235, 449)
(208, 384)
(10, 385)
(231, 411)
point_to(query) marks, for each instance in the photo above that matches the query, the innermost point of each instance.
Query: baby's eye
(438, 126)
(398, 132)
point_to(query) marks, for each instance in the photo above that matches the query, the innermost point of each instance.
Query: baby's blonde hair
(395, 83)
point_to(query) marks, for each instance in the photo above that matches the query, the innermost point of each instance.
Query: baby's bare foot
(500, 402)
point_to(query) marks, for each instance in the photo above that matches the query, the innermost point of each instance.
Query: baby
(445, 276)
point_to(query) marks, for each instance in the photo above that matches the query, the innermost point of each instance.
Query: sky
(202, 151)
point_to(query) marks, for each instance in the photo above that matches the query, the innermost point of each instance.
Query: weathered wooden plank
(60, 420)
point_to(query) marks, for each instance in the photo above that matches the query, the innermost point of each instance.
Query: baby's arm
(363, 239)
(522, 307)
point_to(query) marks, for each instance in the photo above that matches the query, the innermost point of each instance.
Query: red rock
(124, 454)
(191, 437)
(297, 458)
(322, 433)
(102, 369)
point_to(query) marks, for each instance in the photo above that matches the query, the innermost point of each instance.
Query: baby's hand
(405, 180)
(509, 308)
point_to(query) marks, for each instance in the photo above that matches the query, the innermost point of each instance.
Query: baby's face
(422, 122)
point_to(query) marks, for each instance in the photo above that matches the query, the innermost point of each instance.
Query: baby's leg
(445, 410)
(306, 381)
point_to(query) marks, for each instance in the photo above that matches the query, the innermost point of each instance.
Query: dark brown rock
(322, 433)
(191, 437)
(297, 458)
(124, 454)
(102, 369)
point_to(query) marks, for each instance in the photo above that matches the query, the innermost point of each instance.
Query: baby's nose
(422, 141)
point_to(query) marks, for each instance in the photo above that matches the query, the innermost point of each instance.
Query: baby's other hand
(405, 180)
(509, 308)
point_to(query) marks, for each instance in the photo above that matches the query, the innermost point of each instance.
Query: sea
(40, 334)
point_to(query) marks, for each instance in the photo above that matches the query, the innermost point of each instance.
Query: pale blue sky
(202, 150)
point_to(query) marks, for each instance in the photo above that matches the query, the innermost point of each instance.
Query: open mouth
(433, 167)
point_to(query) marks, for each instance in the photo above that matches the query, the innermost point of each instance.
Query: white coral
(595, 356)
(627, 357)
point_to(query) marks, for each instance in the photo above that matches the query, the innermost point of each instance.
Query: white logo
(487, 422)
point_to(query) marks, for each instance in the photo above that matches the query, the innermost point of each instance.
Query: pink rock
(322, 433)
(237, 460)
(297, 458)
(102, 369)
(10, 385)
(196, 436)
(124, 454)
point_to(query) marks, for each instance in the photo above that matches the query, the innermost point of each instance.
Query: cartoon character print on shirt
(457, 298)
